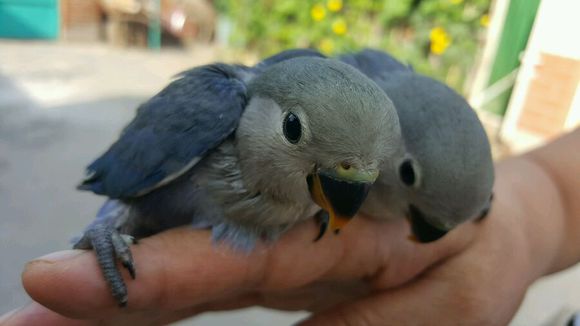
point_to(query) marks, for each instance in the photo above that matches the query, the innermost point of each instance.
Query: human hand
(370, 274)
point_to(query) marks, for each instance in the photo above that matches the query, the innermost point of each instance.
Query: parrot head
(316, 130)
(447, 175)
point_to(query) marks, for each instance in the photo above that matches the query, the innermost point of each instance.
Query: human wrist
(532, 201)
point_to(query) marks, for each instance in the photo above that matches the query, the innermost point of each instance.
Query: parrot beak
(340, 192)
(423, 232)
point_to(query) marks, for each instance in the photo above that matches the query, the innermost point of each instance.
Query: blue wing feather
(172, 130)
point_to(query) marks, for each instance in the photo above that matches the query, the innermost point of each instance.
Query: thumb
(176, 269)
(420, 303)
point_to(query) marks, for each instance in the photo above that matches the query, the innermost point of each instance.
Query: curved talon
(122, 250)
(129, 239)
(130, 267)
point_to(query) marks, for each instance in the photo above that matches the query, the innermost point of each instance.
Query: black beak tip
(483, 214)
(422, 230)
(427, 236)
(345, 197)
(485, 211)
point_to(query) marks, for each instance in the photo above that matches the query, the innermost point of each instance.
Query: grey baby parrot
(447, 175)
(247, 152)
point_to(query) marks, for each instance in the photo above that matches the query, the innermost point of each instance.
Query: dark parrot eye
(407, 173)
(292, 128)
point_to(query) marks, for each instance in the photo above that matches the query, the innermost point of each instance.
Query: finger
(181, 268)
(398, 307)
(315, 297)
(347, 281)
(409, 261)
(176, 269)
(462, 290)
(362, 267)
(35, 314)
(423, 302)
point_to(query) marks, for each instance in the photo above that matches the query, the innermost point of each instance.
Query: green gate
(36, 19)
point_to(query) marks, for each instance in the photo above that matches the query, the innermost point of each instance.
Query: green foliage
(437, 37)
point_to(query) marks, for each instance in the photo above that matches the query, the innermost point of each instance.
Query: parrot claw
(323, 219)
(130, 267)
(109, 244)
(129, 239)
(121, 245)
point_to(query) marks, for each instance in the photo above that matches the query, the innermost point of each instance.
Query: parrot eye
(292, 128)
(407, 173)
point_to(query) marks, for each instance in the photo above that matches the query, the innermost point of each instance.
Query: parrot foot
(109, 244)
(323, 219)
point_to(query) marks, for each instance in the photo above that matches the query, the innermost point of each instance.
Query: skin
(369, 275)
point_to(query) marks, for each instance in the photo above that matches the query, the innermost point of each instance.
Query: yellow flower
(456, 2)
(326, 46)
(440, 40)
(484, 20)
(334, 5)
(318, 12)
(339, 27)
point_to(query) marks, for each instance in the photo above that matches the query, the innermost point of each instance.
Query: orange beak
(341, 199)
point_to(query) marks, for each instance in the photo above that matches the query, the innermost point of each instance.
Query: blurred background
(73, 71)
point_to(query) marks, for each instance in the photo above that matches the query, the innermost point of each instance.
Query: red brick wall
(550, 95)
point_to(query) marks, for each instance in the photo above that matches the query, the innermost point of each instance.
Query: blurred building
(144, 23)
(527, 78)
(530, 71)
(546, 98)
(29, 19)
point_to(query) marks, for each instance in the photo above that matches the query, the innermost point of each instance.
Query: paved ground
(60, 105)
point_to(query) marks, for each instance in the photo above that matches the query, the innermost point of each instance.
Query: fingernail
(60, 255)
(5, 317)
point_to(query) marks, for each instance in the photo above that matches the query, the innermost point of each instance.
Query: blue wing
(374, 63)
(171, 132)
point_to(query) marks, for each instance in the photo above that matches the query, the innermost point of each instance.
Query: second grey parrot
(447, 175)
(247, 152)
